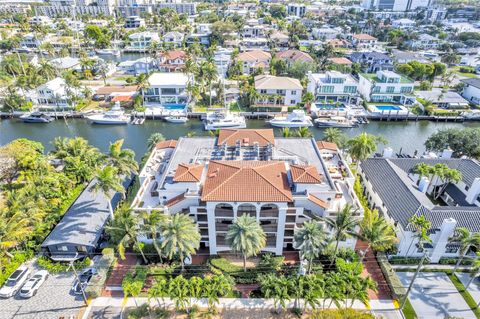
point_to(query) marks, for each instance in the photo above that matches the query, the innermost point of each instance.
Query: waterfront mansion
(386, 86)
(283, 182)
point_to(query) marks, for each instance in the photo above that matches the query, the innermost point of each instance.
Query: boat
(114, 52)
(114, 116)
(178, 119)
(472, 115)
(36, 117)
(335, 121)
(219, 120)
(295, 119)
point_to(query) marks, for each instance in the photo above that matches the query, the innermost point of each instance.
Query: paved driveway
(474, 288)
(53, 300)
(434, 296)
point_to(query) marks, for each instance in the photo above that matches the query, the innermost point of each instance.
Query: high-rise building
(395, 5)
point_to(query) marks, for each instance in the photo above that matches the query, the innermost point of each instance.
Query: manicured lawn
(456, 70)
(465, 294)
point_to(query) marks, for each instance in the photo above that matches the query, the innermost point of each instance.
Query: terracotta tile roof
(337, 42)
(364, 37)
(314, 199)
(175, 54)
(295, 55)
(166, 144)
(305, 174)
(188, 173)
(341, 60)
(106, 90)
(255, 55)
(122, 98)
(246, 181)
(324, 145)
(246, 136)
(175, 200)
(271, 82)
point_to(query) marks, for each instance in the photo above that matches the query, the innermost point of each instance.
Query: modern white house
(166, 90)
(471, 90)
(133, 22)
(142, 40)
(333, 86)
(173, 38)
(386, 86)
(32, 41)
(142, 65)
(53, 95)
(210, 179)
(392, 186)
(278, 90)
(364, 41)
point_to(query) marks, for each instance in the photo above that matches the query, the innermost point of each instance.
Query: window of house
(390, 89)
(263, 91)
(349, 89)
(376, 89)
(406, 89)
(294, 92)
(293, 101)
(280, 91)
(328, 89)
(62, 248)
(451, 250)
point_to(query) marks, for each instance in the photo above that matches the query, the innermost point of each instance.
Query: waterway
(408, 136)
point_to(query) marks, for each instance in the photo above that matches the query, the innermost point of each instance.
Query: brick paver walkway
(372, 268)
(122, 267)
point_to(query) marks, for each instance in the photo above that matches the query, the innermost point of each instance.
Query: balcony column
(282, 212)
(212, 239)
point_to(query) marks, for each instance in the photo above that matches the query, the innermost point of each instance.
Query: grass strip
(465, 294)
(408, 311)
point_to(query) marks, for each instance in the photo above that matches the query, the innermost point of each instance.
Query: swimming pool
(388, 107)
(173, 106)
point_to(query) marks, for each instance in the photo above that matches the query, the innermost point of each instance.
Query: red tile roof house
(291, 56)
(173, 61)
(282, 182)
(253, 60)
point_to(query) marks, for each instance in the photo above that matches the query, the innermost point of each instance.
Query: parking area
(54, 300)
(434, 296)
(474, 289)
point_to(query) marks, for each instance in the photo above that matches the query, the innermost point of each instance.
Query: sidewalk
(432, 267)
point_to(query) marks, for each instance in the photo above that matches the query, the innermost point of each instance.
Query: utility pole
(79, 283)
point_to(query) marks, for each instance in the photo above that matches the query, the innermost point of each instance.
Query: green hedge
(453, 261)
(397, 260)
(347, 313)
(396, 286)
(11, 265)
(58, 267)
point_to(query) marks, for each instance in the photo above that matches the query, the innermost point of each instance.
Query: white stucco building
(333, 86)
(386, 86)
(166, 89)
(282, 182)
(278, 90)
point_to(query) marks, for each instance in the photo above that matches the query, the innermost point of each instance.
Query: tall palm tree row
(363, 146)
(466, 240)
(377, 232)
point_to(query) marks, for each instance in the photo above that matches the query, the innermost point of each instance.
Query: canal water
(408, 136)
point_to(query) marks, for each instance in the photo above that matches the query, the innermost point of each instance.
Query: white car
(14, 282)
(31, 286)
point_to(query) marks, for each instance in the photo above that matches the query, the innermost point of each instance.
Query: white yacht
(295, 119)
(177, 119)
(219, 120)
(114, 52)
(472, 115)
(114, 116)
(36, 117)
(336, 121)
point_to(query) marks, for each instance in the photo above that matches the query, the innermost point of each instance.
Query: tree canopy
(462, 141)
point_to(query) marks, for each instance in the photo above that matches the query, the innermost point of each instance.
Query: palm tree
(152, 222)
(180, 236)
(334, 135)
(475, 271)
(420, 225)
(343, 226)
(363, 146)
(377, 232)
(46, 69)
(124, 230)
(304, 132)
(466, 240)
(422, 169)
(158, 289)
(107, 180)
(122, 159)
(154, 139)
(246, 236)
(286, 132)
(142, 82)
(310, 240)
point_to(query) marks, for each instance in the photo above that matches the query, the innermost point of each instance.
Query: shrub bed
(11, 265)
(58, 267)
(94, 289)
(396, 286)
(341, 314)
(397, 260)
(453, 261)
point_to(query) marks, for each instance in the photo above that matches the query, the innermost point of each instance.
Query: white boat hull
(176, 120)
(290, 125)
(104, 121)
(211, 127)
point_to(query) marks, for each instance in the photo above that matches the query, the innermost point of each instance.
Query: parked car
(31, 287)
(84, 278)
(14, 282)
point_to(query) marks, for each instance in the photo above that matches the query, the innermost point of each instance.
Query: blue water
(174, 106)
(388, 107)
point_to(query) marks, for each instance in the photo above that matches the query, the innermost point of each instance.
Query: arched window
(248, 209)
